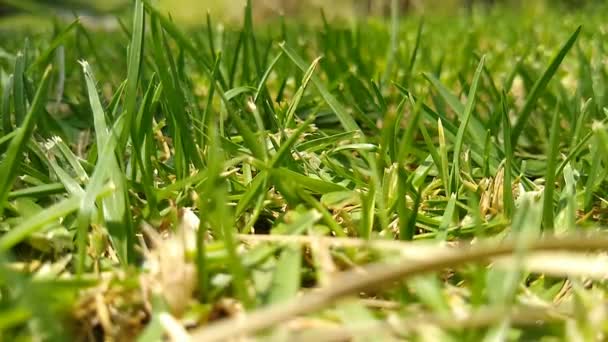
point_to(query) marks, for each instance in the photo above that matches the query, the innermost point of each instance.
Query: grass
(420, 179)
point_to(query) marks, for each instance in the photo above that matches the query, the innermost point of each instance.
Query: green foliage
(201, 172)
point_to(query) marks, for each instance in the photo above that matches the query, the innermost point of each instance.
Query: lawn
(437, 178)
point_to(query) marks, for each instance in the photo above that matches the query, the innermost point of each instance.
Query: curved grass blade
(476, 129)
(288, 144)
(316, 185)
(234, 92)
(325, 214)
(431, 114)
(262, 82)
(72, 159)
(115, 206)
(410, 66)
(70, 184)
(468, 111)
(54, 44)
(87, 202)
(345, 118)
(299, 93)
(38, 191)
(540, 85)
(34, 223)
(12, 160)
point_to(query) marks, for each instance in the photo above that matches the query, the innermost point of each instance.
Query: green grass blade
(345, 118)
(286, 279)
(540, 85)
(414, 55)
(288, 144)
(407, 142)
(309, 183)
(552, 154)
(451, 99)
(19, 89)
(210, 37)
(393, 46)
(507, 198)
(221, 218)
(38, 191)
(325, 214)
(115, 206)
(32, 224)
(134, 65)
(443, 155)
(70, 184)
(9, 167)
(5, 107)
(87, 205)
(447, 219)
(468, 112)
(262, 82)
(476, 129)
(289, 115)
(61, 38)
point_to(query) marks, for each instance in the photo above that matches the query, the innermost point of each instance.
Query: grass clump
(437, 179)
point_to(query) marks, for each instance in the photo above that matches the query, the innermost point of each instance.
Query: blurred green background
(193, 11)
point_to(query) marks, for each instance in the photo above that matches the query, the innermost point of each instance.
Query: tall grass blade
(540, 85)
(467, 113)
(9, 167)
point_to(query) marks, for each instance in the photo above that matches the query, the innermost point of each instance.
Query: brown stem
(377, 276)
